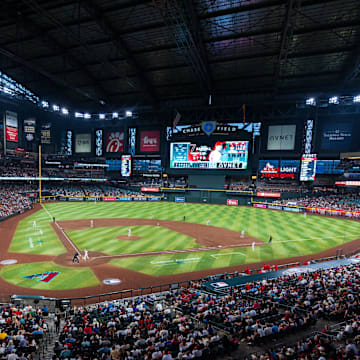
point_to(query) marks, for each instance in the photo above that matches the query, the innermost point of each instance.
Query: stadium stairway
(46, 352)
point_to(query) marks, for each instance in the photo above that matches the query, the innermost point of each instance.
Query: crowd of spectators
(87, 190)
(21, 331)
(12, 201)
(349, 202)
(331, 294)
(189, 323)
(137, 329)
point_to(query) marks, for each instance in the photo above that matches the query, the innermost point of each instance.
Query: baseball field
(139, 244)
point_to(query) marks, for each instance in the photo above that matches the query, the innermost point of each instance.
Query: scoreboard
(308, 167)
(222, 155)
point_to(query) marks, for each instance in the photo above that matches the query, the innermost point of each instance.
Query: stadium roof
(143, 52)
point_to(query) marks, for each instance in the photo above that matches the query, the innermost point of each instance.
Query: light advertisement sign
(288, 168)
(114, 142)
(83, 143)
(279, 169)
(337, 136)
(308, 167)
(281, 137)
(222, 155)
(269, 168)
(11, 124)
(126, 165)
(150, 141)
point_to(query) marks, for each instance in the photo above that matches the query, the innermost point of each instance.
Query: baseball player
(86, 255)
(76, 258)
(129, 232)
(91, 223)
(34, 224)
(253, 246)
(150, 216)
(207, 222)
(270, 239)
(242, 233)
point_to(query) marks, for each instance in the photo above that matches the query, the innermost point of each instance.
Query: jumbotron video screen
(222, 155)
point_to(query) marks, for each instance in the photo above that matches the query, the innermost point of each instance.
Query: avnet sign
(281, 137)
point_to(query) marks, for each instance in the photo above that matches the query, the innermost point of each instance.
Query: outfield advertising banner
(12, 134)
(289, 168)
(262, 206)
(46, 133)
(154, 198)
(29, 129)
(268, 194)
(269, 168)
(115, 142)
(150, 141)
(109, 198)
(150, 189)
(124, 198)
(11, 124)
(337, 136)
(232, 202)
(281, 137)
(179, 198)
(83, 143)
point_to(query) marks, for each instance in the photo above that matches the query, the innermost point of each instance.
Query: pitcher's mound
(129, 238)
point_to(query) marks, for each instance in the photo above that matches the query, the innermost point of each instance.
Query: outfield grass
(153, 238)
(69, 278)
(293, 235)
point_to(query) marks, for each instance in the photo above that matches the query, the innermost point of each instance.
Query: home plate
(8, 262)
(111, 281)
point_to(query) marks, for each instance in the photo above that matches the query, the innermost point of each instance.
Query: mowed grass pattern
(293, 234)
(69, 278)
(152, 238)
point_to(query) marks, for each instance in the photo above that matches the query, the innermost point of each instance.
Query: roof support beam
(39, 70)
(186, 34)
(352, 69)
(91, 7)
(100, 94)
(287, 33)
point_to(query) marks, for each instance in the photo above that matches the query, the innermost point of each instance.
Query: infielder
(207, 222)
(253, 246)
(91, 223)
(34, 224)
(242, 233)
(86, 255)
(150, 216)
(129, 232)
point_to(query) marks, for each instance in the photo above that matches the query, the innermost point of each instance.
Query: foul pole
(40, 173)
